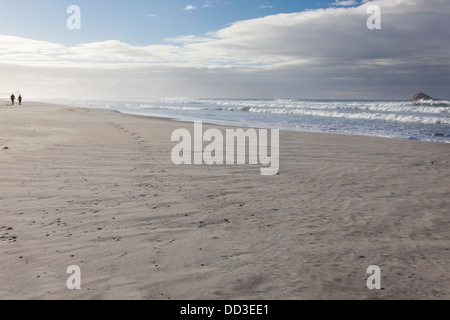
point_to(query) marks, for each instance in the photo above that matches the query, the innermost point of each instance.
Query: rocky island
(421, 96)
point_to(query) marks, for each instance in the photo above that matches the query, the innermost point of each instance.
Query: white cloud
(345, 3)
(313, 53)
(190, 7)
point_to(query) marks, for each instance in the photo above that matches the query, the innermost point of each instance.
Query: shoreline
(285, 129)
(97, 188)
(249, 126)
(233, 123)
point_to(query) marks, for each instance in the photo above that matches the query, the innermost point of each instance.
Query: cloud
(345, 3)
(212, 3)
(319, 53)
(189, 7)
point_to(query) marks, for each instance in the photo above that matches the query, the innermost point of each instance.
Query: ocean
(411, 120)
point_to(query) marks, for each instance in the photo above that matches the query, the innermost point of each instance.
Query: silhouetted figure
(13, 97)
(20, 99)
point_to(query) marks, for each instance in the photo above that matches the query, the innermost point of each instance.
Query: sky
(225, 49)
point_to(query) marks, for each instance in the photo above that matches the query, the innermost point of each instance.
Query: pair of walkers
(13, 98)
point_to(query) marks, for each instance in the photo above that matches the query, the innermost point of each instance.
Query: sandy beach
(98, 189)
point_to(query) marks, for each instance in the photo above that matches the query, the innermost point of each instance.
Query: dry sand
(98, 189)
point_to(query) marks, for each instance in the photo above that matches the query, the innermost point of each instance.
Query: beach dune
(97, 189)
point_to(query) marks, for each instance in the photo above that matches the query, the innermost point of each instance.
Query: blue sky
(226, 49)
(138, 22)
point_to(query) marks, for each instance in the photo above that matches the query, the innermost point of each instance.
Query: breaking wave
(419, 120)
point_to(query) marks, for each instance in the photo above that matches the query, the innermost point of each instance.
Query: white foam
(429, 121)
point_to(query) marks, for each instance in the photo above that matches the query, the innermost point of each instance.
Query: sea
(410, 120)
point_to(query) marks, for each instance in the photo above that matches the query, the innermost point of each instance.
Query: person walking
(13, 98)
(20, 99)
